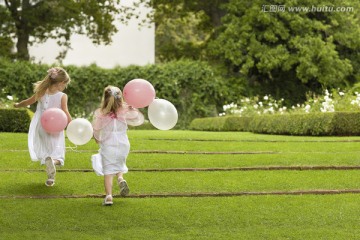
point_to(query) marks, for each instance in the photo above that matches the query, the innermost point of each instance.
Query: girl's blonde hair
(112, 100)
(55, 75)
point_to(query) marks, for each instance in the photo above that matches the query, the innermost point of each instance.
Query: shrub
(208, 124)
(313, 124)
(15, 120)
(194, 87)
(231, 123)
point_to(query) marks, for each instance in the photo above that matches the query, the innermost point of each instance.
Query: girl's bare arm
(64, 107)
(25, 102)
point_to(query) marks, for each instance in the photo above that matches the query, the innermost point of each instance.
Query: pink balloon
(54, 120)
(139, 93)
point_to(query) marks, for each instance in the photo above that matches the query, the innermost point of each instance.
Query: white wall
(130, 46)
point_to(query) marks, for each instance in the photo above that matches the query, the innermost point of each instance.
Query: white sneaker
(124, 188)
(51, 171)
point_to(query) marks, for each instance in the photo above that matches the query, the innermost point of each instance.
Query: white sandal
(108, 201)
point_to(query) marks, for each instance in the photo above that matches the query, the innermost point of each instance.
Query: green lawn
(72, 208)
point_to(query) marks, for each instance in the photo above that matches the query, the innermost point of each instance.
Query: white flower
(10, 97)
(266, 97)
(341, 93)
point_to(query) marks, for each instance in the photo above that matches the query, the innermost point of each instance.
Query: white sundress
(111, 133)
(42, 144)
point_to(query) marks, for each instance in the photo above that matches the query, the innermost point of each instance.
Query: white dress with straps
(42, 144)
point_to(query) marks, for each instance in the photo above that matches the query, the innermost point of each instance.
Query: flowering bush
(336, 100)
(7, 102)
(255, 106)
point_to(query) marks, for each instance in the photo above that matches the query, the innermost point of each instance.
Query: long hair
(112, 100)
(55, 75)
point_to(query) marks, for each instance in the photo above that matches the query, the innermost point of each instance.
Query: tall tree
(6, 43)
(183, 27)
(39, 20)
(290, 47)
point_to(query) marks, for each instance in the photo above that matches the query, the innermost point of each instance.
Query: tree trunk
(22, 45)
(23, 32)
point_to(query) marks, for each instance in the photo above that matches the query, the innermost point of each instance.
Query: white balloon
(134, 117)
(79, 131)
(162, 114)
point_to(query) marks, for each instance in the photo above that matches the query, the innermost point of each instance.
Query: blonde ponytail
(112, 100)
(55, 75)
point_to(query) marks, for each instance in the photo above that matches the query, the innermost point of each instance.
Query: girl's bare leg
(120, 176)
(108, 179)
(108, 182)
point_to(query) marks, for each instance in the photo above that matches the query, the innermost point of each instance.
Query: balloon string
(74, 149)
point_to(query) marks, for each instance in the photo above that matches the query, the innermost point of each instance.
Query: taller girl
(48, 148)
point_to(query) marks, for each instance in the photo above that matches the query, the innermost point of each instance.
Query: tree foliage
(180, 36)
(6, 43)
(194, 87)
(30, 21)
(183, 27)
(290, 52)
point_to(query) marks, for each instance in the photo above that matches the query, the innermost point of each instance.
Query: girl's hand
(25, 102)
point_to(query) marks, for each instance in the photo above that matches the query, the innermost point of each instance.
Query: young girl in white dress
(110, 132)
(48, 148)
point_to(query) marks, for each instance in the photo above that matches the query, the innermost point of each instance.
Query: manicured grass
(241, 217)
(30, 183)
(252, 217)
(75, 160)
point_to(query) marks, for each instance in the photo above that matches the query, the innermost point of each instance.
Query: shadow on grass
(35, 189)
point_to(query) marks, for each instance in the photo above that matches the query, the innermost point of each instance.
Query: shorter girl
(48, 148)
(110, 132)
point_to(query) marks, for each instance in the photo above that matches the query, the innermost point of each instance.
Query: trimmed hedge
(15, 120)
(194, 87)
(316, 124)
(230, 123)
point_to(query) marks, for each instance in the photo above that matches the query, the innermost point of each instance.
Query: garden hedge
(315, 124)
(194, 87)
(228, 123)
(15, 120)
